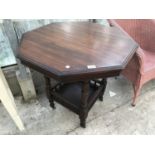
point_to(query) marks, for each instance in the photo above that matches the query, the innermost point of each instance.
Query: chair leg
(137, 88)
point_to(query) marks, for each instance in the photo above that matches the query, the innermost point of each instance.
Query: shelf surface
(72, 93)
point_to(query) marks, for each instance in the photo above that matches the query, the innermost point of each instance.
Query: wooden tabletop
(76, 50)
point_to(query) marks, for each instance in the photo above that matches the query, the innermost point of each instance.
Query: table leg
(48, 90)
(104, 83)
(84, 103)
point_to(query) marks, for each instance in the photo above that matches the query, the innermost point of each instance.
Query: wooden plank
(8, 101)
(11, 34)
(24, 76)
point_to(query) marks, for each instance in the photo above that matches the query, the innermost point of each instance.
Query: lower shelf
(69, 95)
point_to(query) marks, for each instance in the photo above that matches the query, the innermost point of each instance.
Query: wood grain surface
(65, 50)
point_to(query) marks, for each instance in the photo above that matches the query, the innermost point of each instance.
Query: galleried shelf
(71, 95)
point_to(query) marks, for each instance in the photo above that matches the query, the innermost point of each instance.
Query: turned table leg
(84, 103)
(48, 90)
(104, 83)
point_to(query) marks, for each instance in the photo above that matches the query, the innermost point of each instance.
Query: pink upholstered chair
(141, 68)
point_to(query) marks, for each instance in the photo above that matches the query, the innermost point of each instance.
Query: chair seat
(149, 61)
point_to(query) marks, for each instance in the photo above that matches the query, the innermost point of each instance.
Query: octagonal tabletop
(77, 50)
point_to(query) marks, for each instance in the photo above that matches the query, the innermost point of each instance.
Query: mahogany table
(80, 55)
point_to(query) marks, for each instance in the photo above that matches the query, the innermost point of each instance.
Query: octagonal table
(80, 55)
